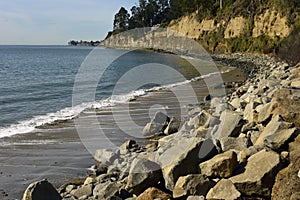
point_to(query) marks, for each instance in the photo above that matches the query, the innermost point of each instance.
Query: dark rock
(173, 126)
(41, 190)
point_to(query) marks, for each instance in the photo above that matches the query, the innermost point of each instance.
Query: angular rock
(250, 113)
(274, 127)
(157, 125)
(142, 175)
(295, 84)
(231, 143)
(264, 113)
(153, 193)
(220, 166)
(106, 190)
(172, 127)
(279, 138)
(41, 190)
(202, 119)
(193, 184)
(231, 124)
(224, 189)
(105, 156)
(85, 190)
(287, 181)
(126, 146)
(259, 175)
(196, 198)
(183, 157)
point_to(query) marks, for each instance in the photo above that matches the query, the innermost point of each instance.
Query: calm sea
(37, 82)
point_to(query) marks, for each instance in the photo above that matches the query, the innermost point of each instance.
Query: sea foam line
(69, 113)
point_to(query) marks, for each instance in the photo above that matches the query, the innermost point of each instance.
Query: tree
(121, 21)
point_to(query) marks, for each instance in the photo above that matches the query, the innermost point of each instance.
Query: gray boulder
(196, 198)
(157, 125)
(106, 190)
(172, 127)
(193, 184)
(231, 143)
(265, 112)
(279, 138)
(127, 146)
(84, 190)
(220, 166)
(231, 124)
(41, 190)
(259, 175)
(142, 175)
(183, 157)
(105, 156)
(274, 127)
(224, 189)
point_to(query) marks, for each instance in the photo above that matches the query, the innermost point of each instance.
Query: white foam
(72, 112)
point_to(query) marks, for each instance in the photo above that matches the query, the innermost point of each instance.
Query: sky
(39, 22)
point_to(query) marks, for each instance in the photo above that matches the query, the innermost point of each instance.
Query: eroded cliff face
(262, 32)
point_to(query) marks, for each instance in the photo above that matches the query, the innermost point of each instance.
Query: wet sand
(56, 152)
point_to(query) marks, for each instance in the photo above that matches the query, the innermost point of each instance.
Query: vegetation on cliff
(168, 13)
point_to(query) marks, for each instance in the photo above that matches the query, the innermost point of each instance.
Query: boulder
(127, 146)
(105, 156)
(275, 126)
(195, 198)
(259, 175)
(295, 83)
(279, 138)
(287, 181)
(84, 190)
(183, 158)
(157, 125)
(202, 119)
(231, 124)
(264, 113)
(41, 190)
(106, 190)
(142, 175)
(220, 166)
(172, 127)
(224, 189)
(250, 113)
(193, 184)
(231, 143)
(153, 193)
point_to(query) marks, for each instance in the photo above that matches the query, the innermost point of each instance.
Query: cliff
(265, 30)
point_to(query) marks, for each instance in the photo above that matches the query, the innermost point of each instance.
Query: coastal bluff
(242, 146)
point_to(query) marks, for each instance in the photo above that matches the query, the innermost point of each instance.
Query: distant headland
(85, 43)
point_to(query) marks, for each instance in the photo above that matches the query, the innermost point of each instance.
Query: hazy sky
(56, 21)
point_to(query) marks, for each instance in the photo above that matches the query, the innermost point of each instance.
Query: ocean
(58, 104)
(36, 82)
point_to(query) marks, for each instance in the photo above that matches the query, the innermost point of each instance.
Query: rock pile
(247, 148)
